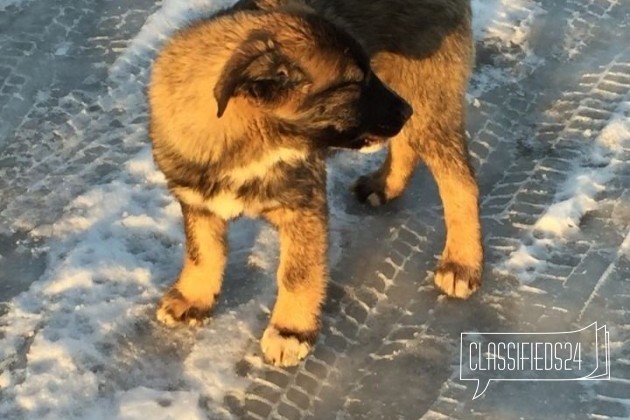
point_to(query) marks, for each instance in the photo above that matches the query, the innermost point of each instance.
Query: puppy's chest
(246, 189)
(226, 204)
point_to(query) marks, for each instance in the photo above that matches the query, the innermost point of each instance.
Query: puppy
(243, 107)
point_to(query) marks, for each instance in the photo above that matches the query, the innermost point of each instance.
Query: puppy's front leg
(302, 276)
(191, 298)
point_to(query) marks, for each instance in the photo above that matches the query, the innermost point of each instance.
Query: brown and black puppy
(243, 108)
(423, 50)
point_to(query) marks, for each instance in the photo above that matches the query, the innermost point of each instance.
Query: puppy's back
(413, 28)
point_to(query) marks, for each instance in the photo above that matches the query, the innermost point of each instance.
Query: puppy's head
(315, 82)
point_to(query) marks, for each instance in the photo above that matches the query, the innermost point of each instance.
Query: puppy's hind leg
(302, 274)
(191, 298)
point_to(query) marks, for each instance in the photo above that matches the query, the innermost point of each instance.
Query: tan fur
(301, 284)
(463, 237)
(199, 282)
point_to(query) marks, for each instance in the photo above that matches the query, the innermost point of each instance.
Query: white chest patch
(226, 204)
(260, 167)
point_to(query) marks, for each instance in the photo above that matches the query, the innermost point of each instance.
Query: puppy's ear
(256, 69)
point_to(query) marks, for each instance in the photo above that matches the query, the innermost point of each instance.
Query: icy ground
(89, 236)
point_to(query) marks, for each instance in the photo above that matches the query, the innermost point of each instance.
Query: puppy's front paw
(368, 189)
(457, 280)
(283, 347)
(175, 308)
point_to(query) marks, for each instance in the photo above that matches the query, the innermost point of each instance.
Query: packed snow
(6, 3)
(504, 25)
(82, 341)
(576, 197)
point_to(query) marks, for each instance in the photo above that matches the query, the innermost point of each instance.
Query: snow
(578, 195)
(6, 3)
(505, 25)
(111, 255)
(141, 403)
(564, 217)
(575, 198)
(491, 18)
(82, 341)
